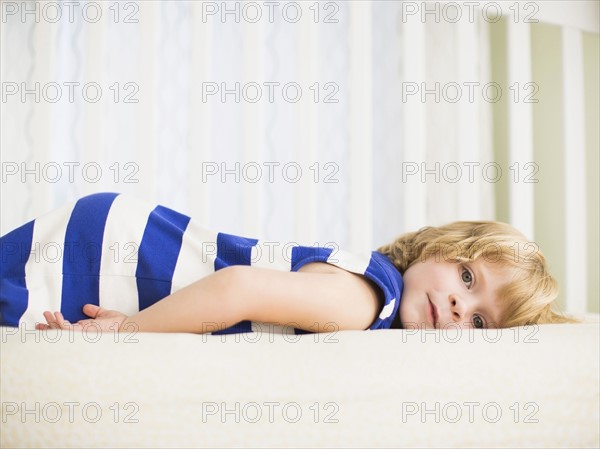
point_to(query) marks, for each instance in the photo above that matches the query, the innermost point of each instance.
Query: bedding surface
(522, 387)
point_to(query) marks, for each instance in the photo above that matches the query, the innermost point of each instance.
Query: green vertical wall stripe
(548, 148)
(591, 60)
(499, 74)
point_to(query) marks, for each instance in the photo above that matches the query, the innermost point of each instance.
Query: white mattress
(353, 389)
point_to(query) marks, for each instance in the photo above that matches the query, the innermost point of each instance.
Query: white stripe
(273, 255)
(197, 256)
(307, 141)
(414, 142)
(253, 128)
(201, 58)
(574, 157)
(387, 311)
(361, 142)
(349, 261)
(147, 119)
(520, 130)
(582, 15)
(485, 191)
(468, 114)
(43, 270)
(123, 232)
(95, 129)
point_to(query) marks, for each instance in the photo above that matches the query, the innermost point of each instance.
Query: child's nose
(458, 307)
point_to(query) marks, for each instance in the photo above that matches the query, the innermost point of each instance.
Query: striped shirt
(121, 253)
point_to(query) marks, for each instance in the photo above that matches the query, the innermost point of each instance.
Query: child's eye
(478, 322)
(466, 277)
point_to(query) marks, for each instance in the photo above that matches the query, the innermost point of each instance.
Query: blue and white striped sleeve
(377, 268)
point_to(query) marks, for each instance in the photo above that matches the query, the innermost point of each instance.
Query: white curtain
(326, 168)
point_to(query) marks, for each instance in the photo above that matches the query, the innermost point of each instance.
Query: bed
(534, 386)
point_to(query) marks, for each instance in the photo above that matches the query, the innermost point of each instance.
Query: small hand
(57, 321)
(103, 319)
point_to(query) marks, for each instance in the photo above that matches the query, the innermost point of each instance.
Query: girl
(130, 265)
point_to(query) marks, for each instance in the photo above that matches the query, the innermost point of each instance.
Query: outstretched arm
(311, 298)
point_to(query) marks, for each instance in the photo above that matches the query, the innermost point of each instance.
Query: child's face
(463, 294)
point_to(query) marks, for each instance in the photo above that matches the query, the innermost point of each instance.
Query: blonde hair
(530, 295)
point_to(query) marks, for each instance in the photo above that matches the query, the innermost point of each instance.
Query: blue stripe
(301, 255)
(238, 328)
(82, 254)
(158, 253)
(383, 272)
(233, 250)
(15, 248)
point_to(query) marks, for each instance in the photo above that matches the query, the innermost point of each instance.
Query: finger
(92, 310)
(67, 325)
(49, 317)
(60, 320)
